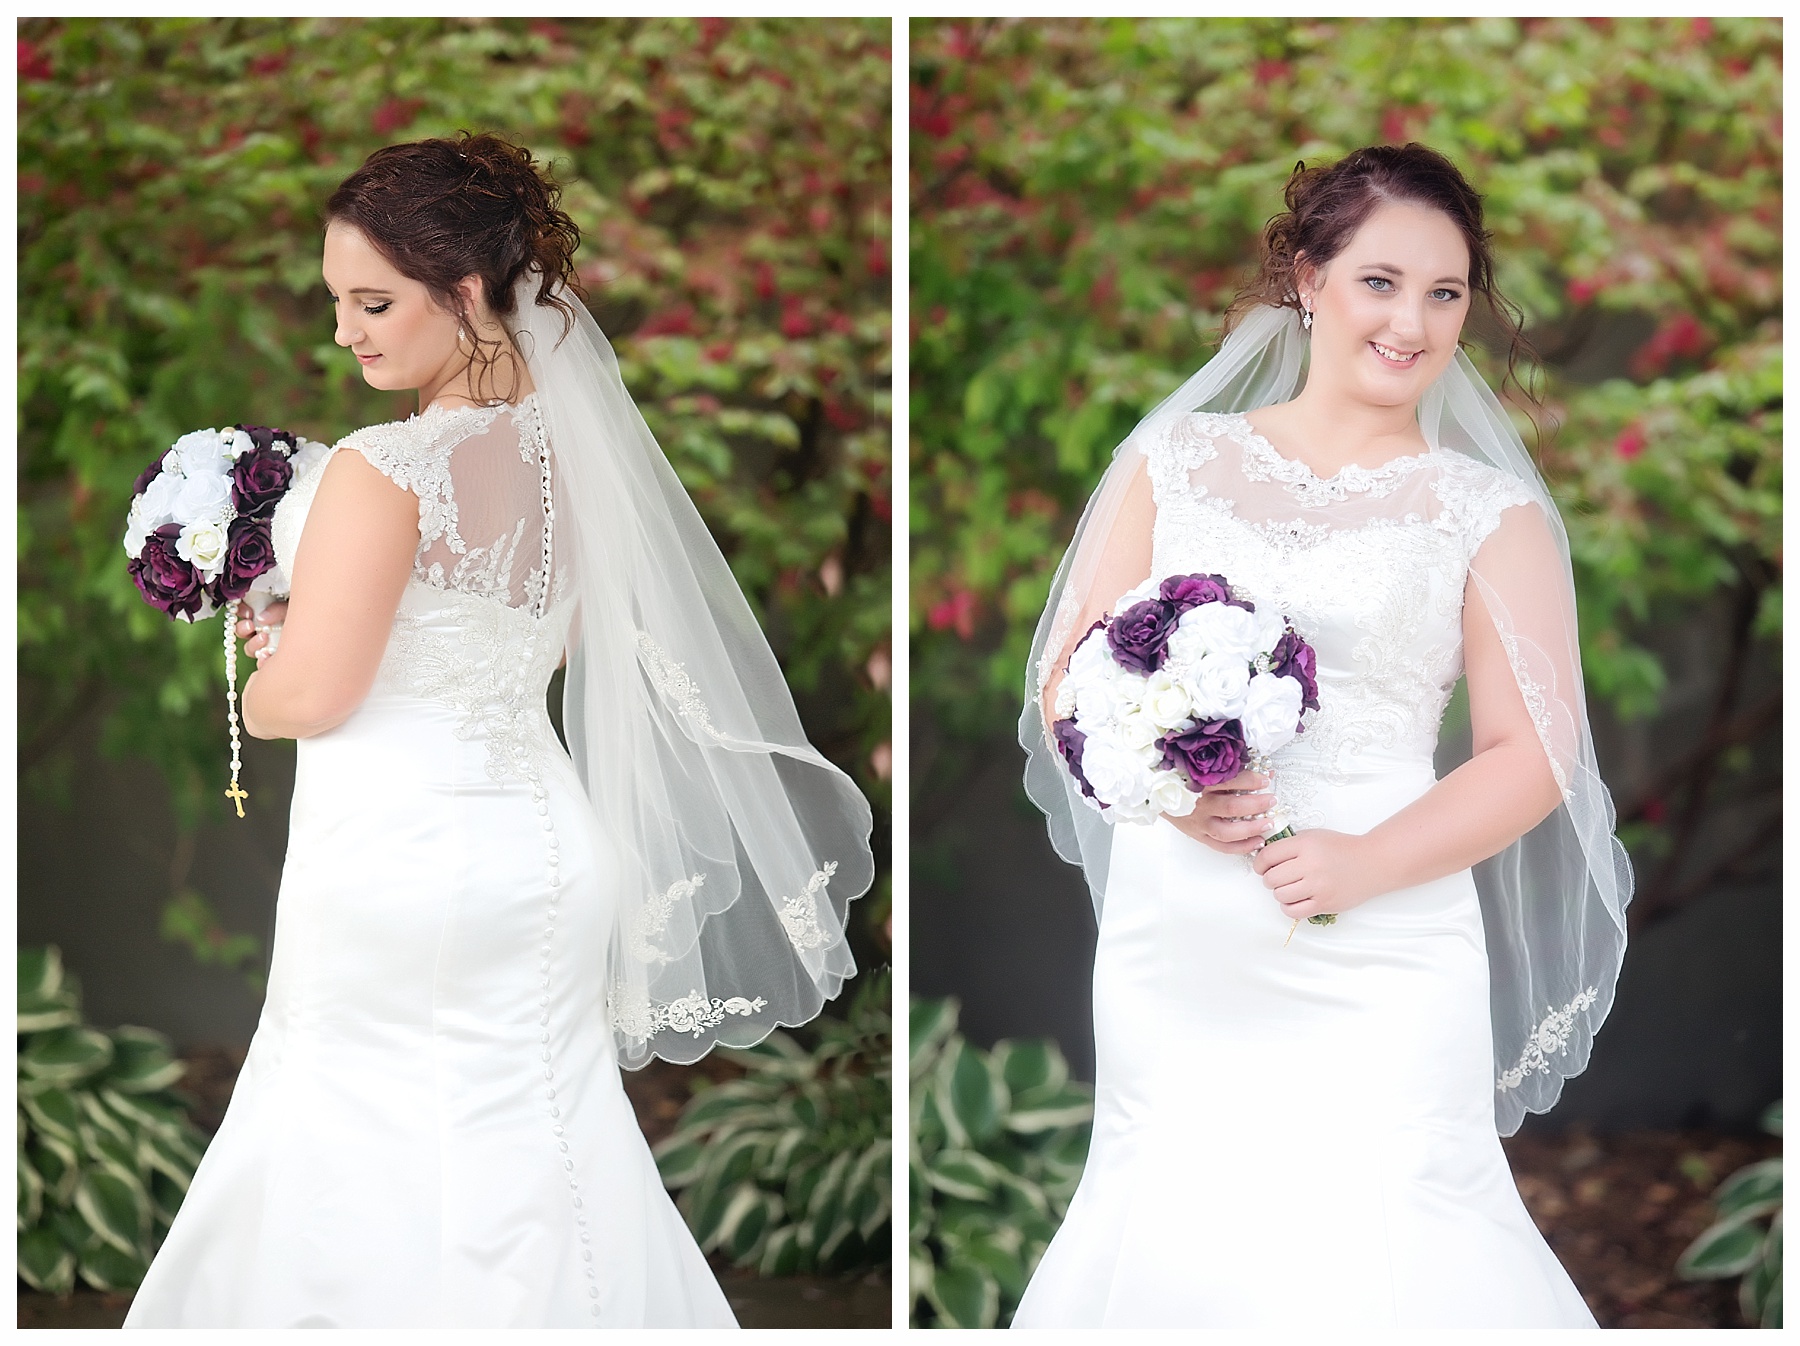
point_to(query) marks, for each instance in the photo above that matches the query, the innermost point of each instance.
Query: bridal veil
(741, 846)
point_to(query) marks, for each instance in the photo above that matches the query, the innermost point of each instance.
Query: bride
(474, 931)
(1297, 1124)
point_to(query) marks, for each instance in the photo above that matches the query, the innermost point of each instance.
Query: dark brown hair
(440, 210)
(1327, 205)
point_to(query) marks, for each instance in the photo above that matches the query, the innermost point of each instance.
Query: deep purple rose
(1210, 753)
(168, 583)
(1139, 636)
(258, 481)
(1293, 658)
(147, 476)
(266, 437)
(249, 552)
(1070, 741)
(1190, 591)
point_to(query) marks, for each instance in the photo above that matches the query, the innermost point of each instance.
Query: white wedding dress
(429, 1129)
(1302, 1134)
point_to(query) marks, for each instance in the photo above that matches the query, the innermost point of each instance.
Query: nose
(345, 334)
(1408, 318)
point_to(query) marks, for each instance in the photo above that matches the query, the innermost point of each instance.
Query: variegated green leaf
(54, 1112)
(108, 1269)
(65, 1055)
(1729, 1248)
(55, 1159)
(143, 1061)
(964, 1295)
(745, 1221)
(40, 972)
(1756, 1187)
(964, 1173)
(930, 1024)
(781, 1255)
(31, 1193)
(115, 1208)
(45, 1262)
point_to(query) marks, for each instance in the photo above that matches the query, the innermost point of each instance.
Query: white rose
(1118, 775)
(202, 452)
(202, 545)
(1271, 715)
(235, 443)
(1169, 793)
(1138, 731)
(1218, 685)
(138, 527)
(203, 499)
(1216, 628)
(307, 452)
(158, 499)
(1271, 626)
(1108, 699)
(1092, 658)
(1166, 700)
(1144, 592)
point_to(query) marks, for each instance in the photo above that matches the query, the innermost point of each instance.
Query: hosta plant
(1746, 1238)
(998, 1143)
(787, 1169)
(106, 1151)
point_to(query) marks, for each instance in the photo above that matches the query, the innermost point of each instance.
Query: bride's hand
(1315, 871)
(1228, 817)
(259, 634)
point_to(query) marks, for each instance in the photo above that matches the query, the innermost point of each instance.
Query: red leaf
(269, 63)
(396, 113)
(876, 258)
(1631, 442)
(677, 321)
(1267, 72)
(33, 64)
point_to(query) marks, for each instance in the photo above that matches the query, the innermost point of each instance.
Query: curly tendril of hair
(1327, 205)
(440, 210)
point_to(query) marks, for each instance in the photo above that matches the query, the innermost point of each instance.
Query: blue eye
(1378, 280)
(1449, 296)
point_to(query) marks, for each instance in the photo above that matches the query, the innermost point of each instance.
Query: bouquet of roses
(1182, 687)
(198, 532)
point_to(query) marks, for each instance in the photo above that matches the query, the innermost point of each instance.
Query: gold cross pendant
(237, 796)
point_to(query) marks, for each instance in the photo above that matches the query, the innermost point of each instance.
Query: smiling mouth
(1393, 357)
(367, 359)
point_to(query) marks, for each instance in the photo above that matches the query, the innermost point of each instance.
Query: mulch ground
(1619, 1209)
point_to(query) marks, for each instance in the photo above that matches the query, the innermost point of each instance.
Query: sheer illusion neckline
(438, 411)
(1294, 472)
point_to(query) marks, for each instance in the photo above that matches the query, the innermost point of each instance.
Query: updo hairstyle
(440, 210)
(1327, 205)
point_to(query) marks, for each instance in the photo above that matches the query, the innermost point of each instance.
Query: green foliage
(105, 1149)
(1738, 1243)
(1087, 195)
(732, 186)
(998, 1143)
(787, 1169)
(189, 920)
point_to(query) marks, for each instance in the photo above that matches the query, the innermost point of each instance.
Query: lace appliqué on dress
(637, 1018)
(492, 671)
(1263, 463)
(1550, 1038)
(653, 918)
(800, 913)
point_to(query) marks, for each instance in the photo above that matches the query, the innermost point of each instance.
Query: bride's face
(390, 322)
(1388, 309)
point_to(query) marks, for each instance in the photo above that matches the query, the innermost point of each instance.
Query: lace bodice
(1370, 565)
(483, 621)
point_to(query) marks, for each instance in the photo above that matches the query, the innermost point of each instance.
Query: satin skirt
(423, 1133)
(1293, 1133)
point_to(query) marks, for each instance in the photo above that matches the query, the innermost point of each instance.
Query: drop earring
(1306, 319)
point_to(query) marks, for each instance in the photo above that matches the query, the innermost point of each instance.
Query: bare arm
(354, 560)
(1504, 790)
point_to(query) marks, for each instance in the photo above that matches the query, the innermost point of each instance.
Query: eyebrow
(1391, 270)
(361, 290)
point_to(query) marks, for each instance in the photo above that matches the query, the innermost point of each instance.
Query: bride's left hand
(1315, 871)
